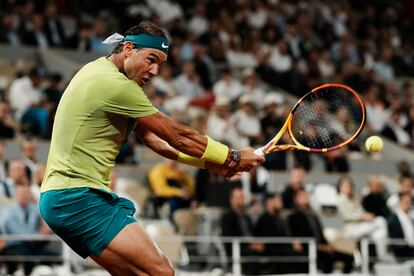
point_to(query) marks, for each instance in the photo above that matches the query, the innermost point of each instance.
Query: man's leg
(133, 252)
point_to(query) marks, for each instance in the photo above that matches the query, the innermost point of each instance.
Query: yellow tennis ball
(374, 144)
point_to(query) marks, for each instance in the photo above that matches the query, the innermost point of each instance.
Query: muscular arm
(180, 138)
(161, 147)
(176, 135)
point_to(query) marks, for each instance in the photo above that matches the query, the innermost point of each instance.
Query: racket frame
(271, 145)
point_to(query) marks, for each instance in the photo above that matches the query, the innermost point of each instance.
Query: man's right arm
(161, 147)
(187, 140)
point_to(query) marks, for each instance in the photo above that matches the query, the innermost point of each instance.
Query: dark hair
(144, 27)
(298, 191)
(339, 183)
(401, 195)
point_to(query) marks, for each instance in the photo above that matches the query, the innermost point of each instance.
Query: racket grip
(260, 151)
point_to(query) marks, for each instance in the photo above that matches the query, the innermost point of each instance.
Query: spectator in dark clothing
(53, 26)
(303, 222)
(375, 202)
(401, 226)
(8, 31)
(36, 36)
(297, 177)
(80, 40)
(212, 189)
(237, 223)
(272, 224)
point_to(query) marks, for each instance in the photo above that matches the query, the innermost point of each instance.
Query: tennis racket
(327, 118)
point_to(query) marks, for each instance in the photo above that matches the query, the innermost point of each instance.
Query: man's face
(302, 199)
(140, 65)
(405, 203)
(23, 195)
(237, 199)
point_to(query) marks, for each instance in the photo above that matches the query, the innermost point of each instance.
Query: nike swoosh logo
(164, 46)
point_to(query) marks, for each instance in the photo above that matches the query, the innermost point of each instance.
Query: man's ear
(128, 48)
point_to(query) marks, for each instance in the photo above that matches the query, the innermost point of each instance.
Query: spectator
(16, 176)
(8, 126)
(25, 93)
(279, 58)
(53, 26)
(26, 100)
(237, 223)
(163, 82)
(394, 131)
(23, 218)
(303, 222)
(228, 86)
(188, 86)
(401, 226)
(28, 154)
(213, 190)
(251, 88)
(172, 184)
(296, 182)
(8, 31)
(246, 122)
(272, 224)
(358, 222)
(218, 122)
(375, 201)
(80, 40)
(53, 91)
(36, 36)
(406, 185)
(98, 35)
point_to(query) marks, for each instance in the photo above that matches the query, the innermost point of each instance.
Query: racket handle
(260, 151)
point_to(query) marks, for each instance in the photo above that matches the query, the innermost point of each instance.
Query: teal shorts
(86, 219)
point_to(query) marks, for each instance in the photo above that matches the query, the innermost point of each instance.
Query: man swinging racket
(101, 105)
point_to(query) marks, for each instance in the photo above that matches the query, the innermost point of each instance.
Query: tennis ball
(374, 144)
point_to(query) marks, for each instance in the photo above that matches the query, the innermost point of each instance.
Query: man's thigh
(133, 252)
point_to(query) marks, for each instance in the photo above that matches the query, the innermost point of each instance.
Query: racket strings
(326, 118)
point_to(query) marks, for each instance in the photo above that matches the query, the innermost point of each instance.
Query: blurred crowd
(20, 180)
(362, 210)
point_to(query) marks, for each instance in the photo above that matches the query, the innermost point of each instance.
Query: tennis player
(101, 105)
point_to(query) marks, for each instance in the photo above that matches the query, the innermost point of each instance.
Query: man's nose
(154, 69)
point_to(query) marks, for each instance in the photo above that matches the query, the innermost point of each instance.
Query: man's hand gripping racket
(327, 118)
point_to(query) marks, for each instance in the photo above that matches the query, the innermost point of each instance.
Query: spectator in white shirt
(246, 122)
(188, 87)
(251, 88)
(164, 81)
(218, 121)
(25, 92)
(228, 86)
(198, 23)
(358, 222)
(279, 59)
(406, 185)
